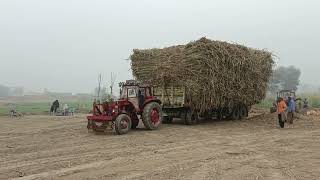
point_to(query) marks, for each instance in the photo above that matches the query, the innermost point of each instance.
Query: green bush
(266, 103)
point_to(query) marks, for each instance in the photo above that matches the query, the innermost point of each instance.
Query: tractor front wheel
(152, 116)
(122, 124)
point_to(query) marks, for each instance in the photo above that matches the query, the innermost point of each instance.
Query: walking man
(281, 111)
(291, 109)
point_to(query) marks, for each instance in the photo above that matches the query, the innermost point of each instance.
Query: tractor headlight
(115, 109)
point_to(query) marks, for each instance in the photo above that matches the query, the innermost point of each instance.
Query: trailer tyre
(122, 124)
(167, 120)
(235, 113)
(191, 117)
(152, 116)
(273, 109)
(243, 112)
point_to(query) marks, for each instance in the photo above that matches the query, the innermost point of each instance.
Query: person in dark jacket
(51, 110)
(54, 107)
(141, 98)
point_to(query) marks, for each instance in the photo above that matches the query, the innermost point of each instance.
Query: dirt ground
(43, 147)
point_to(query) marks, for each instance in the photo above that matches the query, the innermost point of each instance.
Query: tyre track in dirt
(250, 149)
(120, 152)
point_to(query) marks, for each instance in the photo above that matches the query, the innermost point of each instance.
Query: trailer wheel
(167, 120)
(243, 111)
(208, 116)
(191, 117)
(219, 113)
(273, 109)
(152, 116)
(122, 124)
(235, 113)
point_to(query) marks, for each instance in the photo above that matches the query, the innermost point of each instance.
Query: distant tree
(4, 91)
(102, 94)
(290, 78)
(274, 84)
(285, 78)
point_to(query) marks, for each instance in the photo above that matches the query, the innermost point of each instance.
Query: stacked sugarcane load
(214, 73)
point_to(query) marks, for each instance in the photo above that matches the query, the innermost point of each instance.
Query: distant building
(11, 91)
(16, 91)
(56, 94)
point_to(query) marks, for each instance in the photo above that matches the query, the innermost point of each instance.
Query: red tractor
(136, 100)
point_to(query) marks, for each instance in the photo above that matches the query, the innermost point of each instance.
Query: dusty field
(42, 147)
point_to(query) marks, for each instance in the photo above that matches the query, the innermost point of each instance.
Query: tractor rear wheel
(152, 116)
(122, 124)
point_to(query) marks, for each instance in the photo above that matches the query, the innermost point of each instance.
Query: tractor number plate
(98, 123)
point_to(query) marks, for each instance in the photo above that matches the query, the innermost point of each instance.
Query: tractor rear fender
(151, 100)
(127, 108)
(123, 112)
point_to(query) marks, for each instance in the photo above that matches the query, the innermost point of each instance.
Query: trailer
(205, 78)
(175, 104)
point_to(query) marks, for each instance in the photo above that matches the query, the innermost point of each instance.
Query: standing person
(291, 109)
(141, 98)
(65, 110)
(281, 111)
(305, 103)
(55, 106)
(299, 105)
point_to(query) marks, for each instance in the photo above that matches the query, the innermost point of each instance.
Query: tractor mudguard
(151, 100)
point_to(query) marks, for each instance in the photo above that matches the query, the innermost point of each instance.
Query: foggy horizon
(64, 45)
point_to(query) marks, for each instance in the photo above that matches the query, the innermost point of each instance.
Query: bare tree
(99, 86)
(112, 81)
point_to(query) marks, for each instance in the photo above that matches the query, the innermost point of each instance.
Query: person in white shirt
(65, 110)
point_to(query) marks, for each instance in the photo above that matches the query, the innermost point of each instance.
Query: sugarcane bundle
(214, 73)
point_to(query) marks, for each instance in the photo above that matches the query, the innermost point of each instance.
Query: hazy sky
(63, 45)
